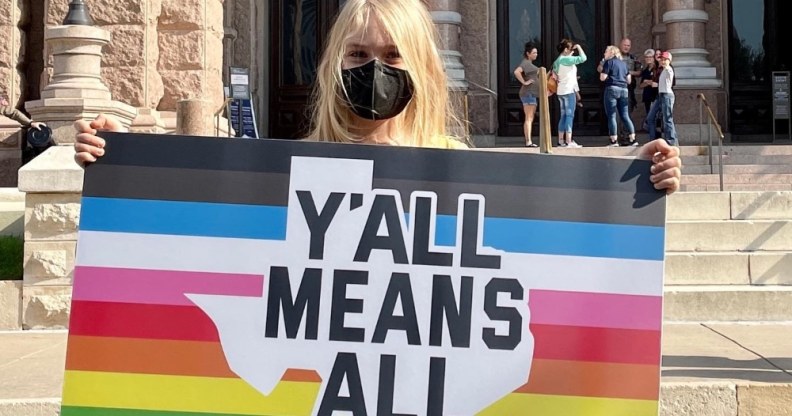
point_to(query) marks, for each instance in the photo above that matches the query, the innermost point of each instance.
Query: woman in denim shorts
(527, 75)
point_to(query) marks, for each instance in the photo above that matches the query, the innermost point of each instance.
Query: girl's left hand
(666, 165)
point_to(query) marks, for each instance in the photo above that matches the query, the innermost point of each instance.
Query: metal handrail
(217, 116)
(710, 121)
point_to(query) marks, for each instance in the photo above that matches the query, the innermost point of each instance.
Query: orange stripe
(147, 356)
(588, 379)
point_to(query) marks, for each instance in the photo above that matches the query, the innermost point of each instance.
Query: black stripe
(255, 188)
(195, 185)
(491, 168)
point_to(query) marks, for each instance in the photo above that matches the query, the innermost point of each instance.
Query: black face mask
(376, 91)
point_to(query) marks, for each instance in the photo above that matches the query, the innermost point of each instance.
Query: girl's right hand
(88, 146)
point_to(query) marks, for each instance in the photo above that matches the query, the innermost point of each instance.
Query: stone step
(737, 159)
(745, 178)
(699, 303)
(761, 150)
(692, 206)
(744, 187)
(729, 268)
(739, 169)
(718, 236)
(716, 369)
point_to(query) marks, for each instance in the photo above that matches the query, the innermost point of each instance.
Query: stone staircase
(729, 257)
(746, 167)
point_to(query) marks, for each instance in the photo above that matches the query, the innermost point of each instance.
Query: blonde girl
(402, 37)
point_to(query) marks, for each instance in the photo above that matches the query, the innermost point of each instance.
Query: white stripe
(241, 256)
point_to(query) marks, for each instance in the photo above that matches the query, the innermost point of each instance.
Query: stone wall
(479, 56)
(161, 51)
(11, 52)
(52, 183)
(191, 51)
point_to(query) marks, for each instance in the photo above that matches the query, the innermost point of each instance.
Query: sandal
(531, 145)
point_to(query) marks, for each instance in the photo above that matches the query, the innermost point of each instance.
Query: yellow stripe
(535, 404)
(185, 394)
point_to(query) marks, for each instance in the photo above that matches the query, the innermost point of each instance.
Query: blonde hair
(614, 50)
(409, 25)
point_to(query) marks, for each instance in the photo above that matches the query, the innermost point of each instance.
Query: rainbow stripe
(139, 347)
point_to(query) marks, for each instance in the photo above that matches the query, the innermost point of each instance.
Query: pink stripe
(159, 287)
(596, 310)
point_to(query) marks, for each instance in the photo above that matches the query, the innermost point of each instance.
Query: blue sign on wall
(248, 127)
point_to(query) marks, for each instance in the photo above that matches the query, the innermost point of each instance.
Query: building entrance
(298, 29)
(757, 32)
(545, 23)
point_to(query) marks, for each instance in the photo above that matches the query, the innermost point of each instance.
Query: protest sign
(234, 277)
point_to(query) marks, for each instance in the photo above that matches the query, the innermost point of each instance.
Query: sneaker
(634, 143)
(574, 144)
(562, 145)
(613, 144)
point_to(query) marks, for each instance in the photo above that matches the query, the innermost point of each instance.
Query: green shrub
(11, 252)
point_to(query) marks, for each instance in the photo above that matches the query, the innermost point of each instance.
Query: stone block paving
(717, 369)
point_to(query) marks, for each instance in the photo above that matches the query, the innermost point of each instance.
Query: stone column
(449, 23)
(76, 90)
(194, 118)
(129, 61)
(191, 52)
(686, 37)
(52, 182)
(10, 85)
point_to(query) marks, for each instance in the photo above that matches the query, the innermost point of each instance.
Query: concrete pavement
(708, 370)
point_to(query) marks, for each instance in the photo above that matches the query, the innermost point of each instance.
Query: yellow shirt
(445, 142)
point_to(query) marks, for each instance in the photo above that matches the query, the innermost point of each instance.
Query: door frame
(292, 100)
(510, 112)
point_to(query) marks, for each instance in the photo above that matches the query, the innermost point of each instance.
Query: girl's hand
(666, 165)
(88, 146)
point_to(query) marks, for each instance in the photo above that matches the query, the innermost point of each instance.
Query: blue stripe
(563, 238)
(269, 223)
(142, 216)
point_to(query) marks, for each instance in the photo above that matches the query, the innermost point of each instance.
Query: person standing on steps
(565, 67)
(527, 74)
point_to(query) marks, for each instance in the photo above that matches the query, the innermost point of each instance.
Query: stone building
(163, 51)
(145, 57)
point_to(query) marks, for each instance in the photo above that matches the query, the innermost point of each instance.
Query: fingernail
(100, 152)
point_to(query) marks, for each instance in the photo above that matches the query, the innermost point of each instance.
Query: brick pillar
(686, 37)
(191, 52)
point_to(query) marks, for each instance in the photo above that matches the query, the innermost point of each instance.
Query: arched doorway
(545, 23)
(757, 32)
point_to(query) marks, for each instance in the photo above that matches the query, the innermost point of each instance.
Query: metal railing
(218, 117)
(711, 120)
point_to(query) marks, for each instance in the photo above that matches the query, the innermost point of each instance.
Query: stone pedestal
(194, 118)
(686, 34)
(76, 90)
(52, 183)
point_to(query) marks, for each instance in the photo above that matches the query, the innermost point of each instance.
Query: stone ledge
(31, 407)
(54, 171)
(10, 305)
